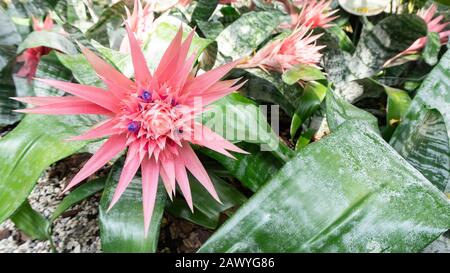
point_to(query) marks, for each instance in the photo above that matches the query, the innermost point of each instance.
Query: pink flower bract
(434, 24)
(222, 2)
(283, 54)
(31, 56)
(140, 22)
(152, 116)
(312, 13)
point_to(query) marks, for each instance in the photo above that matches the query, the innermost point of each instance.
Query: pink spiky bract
(312, 13)
(31, 56)
(153, 116)
(281, 55)
(434, 24)
(222, 2)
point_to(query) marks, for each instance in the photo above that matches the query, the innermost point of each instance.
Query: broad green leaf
(339, 111)
(431, 51)
(81, 69)
(50, 68)
(48, 39)
(344, 42)
(122, 228)
(433, 94)
(397, 105)
(31, 222)
(77, 195)
(237, 119)
(178, 208)
(7, 105)
(386, 39)
(427, 148)
(32, 146)
(313, 95)
(243, 36)
(206, 209)
(349, 192)
(305, 139)
(252, 170)
(302, 72)
(269, 87)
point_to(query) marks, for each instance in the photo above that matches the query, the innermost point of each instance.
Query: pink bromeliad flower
(140, 22)
(31, 56)
(281, 55)
(312, 13)
(434, 24)
(222, 2)
(153, 116)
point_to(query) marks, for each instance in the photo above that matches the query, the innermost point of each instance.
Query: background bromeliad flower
(434, 24)
(312, 13)
(31, 56)
(281, 55)
(222, 2)
(140, 21)
(152, 116)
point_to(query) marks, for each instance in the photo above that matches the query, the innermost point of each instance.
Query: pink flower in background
(153, 116)
(222, 2)
(312, 13)
(31, 56)
(434, 25)
(140, 22)
(281, 55)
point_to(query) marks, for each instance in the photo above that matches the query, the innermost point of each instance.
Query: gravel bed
(75, 231)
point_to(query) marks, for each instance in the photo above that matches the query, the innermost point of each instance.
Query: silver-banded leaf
(244, 35)
(431, 51)
(339, 111)
(433, 94)
(350, 192)
(385, 40)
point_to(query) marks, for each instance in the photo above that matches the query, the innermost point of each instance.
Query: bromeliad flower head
(31, 56)
(312, 13)
(222, 2)
(281, 55)
(140, 22)
(434, 24)
(153, 116)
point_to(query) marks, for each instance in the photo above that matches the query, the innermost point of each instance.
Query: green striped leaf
(339, 111)
(349, 192)
(386, 39)
(244, 35)
(432, 157)
(122, 228)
